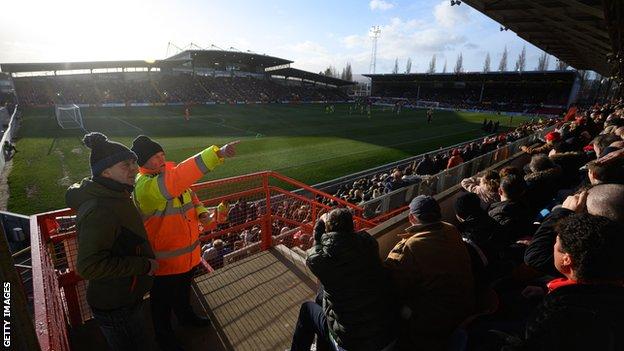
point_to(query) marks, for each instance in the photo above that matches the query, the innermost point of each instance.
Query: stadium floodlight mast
(374, 34)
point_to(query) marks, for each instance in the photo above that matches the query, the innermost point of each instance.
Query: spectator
(570, 162)
(9, 150)
(605, 200)
(542, 183)
(477, 227)
(357, 310)
(394, 182)
(455, 159)
(431, 268)
(584, 310)
(600, 173)
(425, 166)
(602, 142)
(510, 170)
(486, 187)
(551, 139)
(214, 255)
(114, 255)
(511, 213)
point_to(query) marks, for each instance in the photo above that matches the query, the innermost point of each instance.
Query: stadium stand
(527, 92)
(545, 256)
(100, 89)
(190, 77)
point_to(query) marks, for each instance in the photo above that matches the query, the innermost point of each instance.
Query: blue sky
(314, 34)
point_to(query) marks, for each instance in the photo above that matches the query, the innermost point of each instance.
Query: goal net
(69, 117)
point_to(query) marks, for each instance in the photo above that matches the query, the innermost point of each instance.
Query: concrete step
(254, 302)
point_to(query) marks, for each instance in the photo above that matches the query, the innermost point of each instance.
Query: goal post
(69, 116)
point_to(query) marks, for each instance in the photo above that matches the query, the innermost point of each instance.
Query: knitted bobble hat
(105, 153)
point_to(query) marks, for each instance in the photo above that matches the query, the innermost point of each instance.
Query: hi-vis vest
(171, 210)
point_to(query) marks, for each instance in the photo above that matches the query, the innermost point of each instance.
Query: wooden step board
(254, 303)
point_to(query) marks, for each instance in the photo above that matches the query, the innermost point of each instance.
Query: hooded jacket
(570, 162)
(357, 302)
(542, 187)
(514, 217)
(113, 251)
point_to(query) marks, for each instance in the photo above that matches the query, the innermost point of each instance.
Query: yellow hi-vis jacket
(171, 210)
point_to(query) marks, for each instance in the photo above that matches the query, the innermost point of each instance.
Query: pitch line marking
(129, 124)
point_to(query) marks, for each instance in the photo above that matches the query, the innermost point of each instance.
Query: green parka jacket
(113, 251)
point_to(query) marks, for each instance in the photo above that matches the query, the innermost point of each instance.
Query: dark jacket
(357, 302)
(514, 218)
(570, 162)
(578, 317)
(425, 167)
(432, 269)
(542, 187)
(539, 253)
(486, 233)
(113, 250)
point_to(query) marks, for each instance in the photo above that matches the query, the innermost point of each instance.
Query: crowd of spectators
(493, 97)
(164, 88)
(534, 262)
(375, 185)
(242, 212)
(559, 215)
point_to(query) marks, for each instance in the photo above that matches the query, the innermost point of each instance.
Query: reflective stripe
(170, 210)
(160, 179)
(177, 252)
(201, 164)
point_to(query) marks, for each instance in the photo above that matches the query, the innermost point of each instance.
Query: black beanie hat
(468, 205)
(144, 148)
(105, 153)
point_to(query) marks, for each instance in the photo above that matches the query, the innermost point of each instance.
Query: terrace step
(254, 303)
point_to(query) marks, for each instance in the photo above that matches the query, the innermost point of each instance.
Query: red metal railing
(263, 210)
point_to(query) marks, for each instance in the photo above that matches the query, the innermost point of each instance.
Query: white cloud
(380, 5)
(309, 47)
(450, 16)
(352, 41)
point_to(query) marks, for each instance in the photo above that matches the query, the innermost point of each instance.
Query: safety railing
(255, 212)
(390, 204)
(50, 306)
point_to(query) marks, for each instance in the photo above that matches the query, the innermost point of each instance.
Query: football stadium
(224, 199)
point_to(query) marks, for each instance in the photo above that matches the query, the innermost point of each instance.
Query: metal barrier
(50, 312)
(257, 211)
(386, 206)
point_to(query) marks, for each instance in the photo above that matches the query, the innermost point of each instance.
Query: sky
(314, 34)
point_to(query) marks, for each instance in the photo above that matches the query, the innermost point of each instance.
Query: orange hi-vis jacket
(171, 210)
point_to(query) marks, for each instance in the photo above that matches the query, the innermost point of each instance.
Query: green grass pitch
(300, 141)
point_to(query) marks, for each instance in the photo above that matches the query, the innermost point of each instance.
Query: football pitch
(300, 141)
